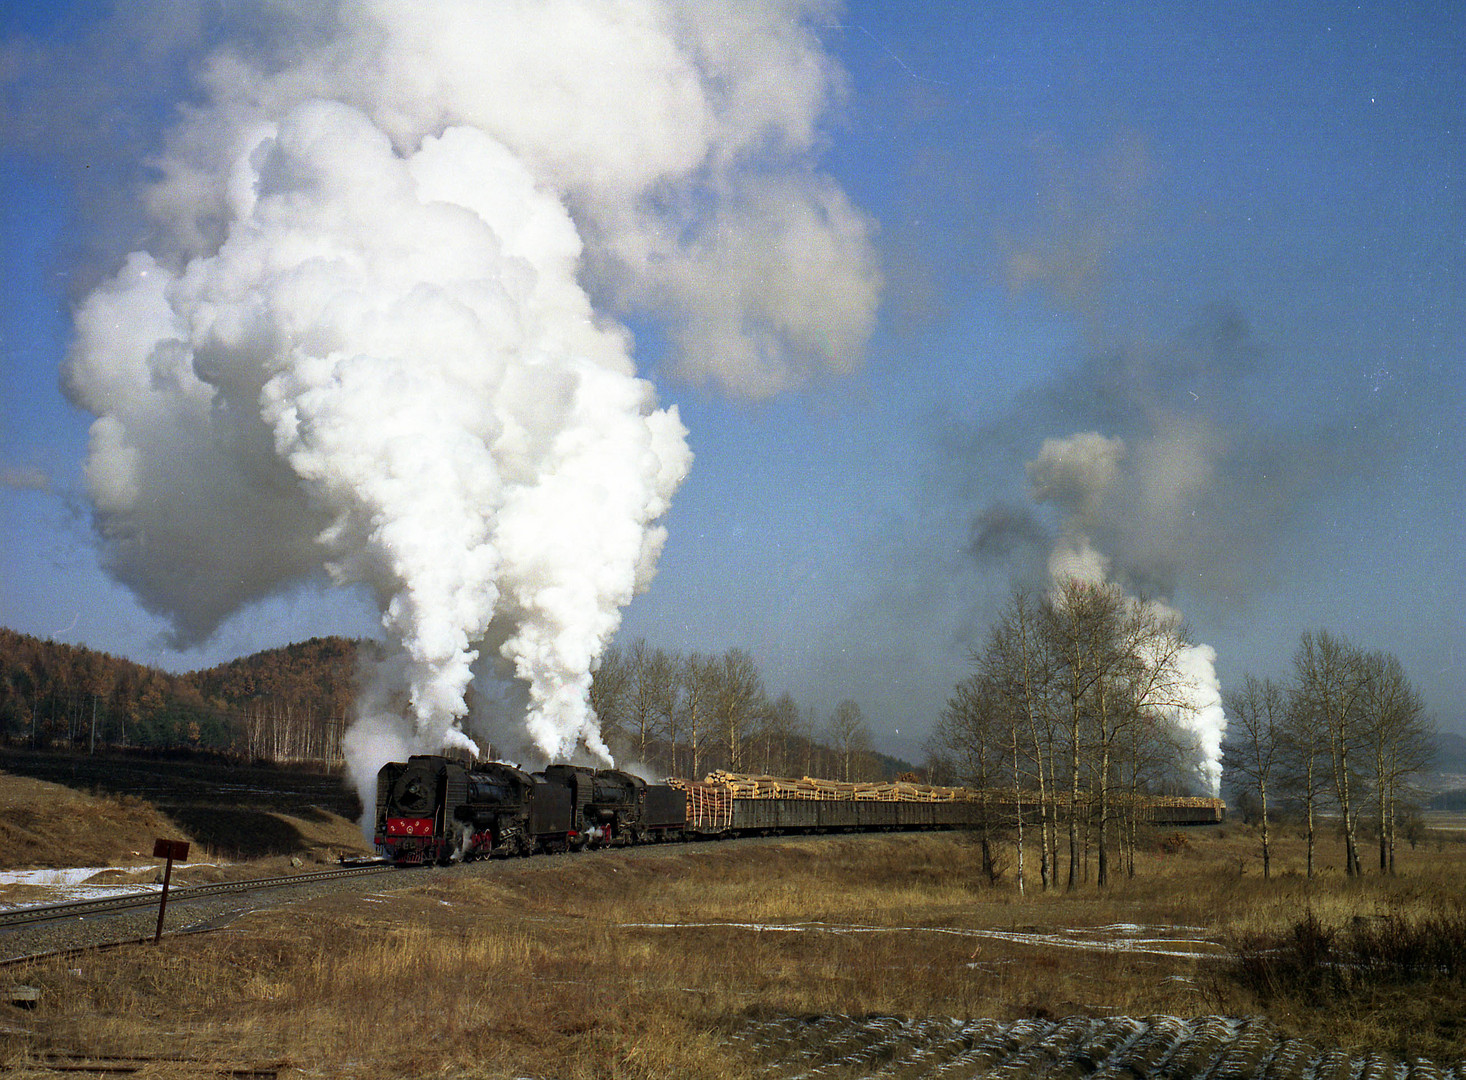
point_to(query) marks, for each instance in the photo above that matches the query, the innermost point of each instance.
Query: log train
(433, 809)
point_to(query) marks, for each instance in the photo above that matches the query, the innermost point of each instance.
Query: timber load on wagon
(1152, 809)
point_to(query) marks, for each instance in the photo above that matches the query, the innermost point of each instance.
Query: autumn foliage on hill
(286, 704)
(674, 714)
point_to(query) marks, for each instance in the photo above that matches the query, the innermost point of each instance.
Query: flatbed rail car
(716, 806)
(999, 803)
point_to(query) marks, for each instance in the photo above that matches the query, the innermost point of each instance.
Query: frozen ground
(1116, 1048)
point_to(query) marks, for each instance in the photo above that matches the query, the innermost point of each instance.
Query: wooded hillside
(667, 713)
(285, 705)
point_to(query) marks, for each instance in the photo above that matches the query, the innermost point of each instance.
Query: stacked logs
(745, 786)
(709, 805)
(742, 786)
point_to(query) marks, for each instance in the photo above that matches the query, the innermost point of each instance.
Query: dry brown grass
(637, 964)
(47, 825)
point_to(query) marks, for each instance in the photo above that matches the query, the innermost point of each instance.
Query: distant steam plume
(1073, 474)
(370, 333)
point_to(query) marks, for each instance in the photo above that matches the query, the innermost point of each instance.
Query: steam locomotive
(432, 809)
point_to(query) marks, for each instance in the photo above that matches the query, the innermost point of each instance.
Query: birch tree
(1256, 722)
(1332, 681)
(1398, 739)
(698, 685)
(848, 735)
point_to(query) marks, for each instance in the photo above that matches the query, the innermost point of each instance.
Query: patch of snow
(65, 877)
(62, 885)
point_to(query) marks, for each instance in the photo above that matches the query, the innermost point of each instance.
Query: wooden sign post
(170, 850)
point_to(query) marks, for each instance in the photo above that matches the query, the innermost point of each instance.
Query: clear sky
(1232, 237)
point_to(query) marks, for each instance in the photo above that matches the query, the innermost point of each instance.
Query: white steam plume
(1074, 474)
(364, 337)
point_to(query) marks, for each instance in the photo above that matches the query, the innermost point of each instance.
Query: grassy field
(642, 963)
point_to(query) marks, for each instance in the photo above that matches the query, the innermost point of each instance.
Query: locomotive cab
(495, 810)
(618, 807)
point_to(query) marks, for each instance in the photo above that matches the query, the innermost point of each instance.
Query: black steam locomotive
(433, 809)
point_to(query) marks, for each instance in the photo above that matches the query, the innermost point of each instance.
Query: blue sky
(1093, 219)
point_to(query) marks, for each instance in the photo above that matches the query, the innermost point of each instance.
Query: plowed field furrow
(1292, 1060)
(1108, 1042)
(926, 1059)
(1248, 1054)
(1077, 1048)
(1000, 1046)
(1194, 1055)
(1332, 1065)
(1153, 1043)
(1053, 1055)
(1420, 1069)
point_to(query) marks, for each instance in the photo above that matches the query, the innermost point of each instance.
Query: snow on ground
(1119, 937)
(30, 888)
(65, 877)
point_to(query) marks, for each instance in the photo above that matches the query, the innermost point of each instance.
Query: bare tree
(699, 685)
(651, 682)
(848, 734)
(1257, 718)
(780, 726)
(737, 698)
(1018, 669)
(1140, 679)
(1154, 755)
(1076, 687)
(1305, 766)
(971, 739)
(1332, 683)
(1080, 624)
(1397, 736)
(668, 705)
(608, 692)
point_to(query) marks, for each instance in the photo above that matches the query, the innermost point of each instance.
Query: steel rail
(39, 913)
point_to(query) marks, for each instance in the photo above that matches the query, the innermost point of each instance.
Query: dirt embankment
(46, 825)
(65, 811)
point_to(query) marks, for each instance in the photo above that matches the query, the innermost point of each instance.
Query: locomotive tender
(433, 809)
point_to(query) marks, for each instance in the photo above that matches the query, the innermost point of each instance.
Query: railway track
(44, 913)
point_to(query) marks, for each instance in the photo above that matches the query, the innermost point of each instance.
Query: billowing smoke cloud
(1074, 474)
(370, 332)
